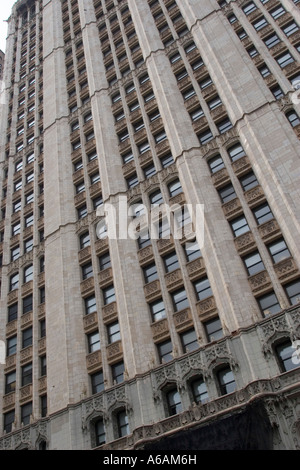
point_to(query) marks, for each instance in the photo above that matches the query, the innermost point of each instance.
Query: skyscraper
(153, 341)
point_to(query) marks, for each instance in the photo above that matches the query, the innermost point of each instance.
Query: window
(213, 329)
(165, 351)
(85, 240)
(260, 24)
(12, 312)
(227, 193)
(118, 372)
(93, 342)
(271, 41)
(113, 332)
(224, 126)
(27, 337)
(277, 12)
(284, 352)
(277, 92)
(166, 160)
(180, 300)
(27, 304)
(97, 381)
(216, 163)
(284, 59)
(149, 171)
(171, 262)
(28, 245)
(249, 8)
(269, 303)
(156, 198)
(262, 214)
(87, 271)
(205, 137)
(192, 250)
(236, 152)
(150, 273)
(278, 250)
(10, 382)
(253, 263)
(90, 305)
(42, 327)
(123, 424)
(202, 288)
(226, 381)
(109, 295)
(290, 28)
(9, 419)
(26, 374)
(43, 366)
(189, 341)
(15, 253)
(14, 282)
(174, 402)
(293, 118)
(11, 346)
(26, 411)
(157, 309)
(144, 239)
(28, 274)
(44, 411)
(199, 390)
(239, 226)
(100, 432)
(174, 188)
(104, 261)
(293, 292)
(132, 181)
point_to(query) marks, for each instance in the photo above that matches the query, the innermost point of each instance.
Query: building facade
(151, 342)
(2, 56)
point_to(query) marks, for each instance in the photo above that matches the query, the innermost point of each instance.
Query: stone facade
(121, 343)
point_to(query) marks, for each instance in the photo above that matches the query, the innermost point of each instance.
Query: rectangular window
(150, 273)
(109, 295)
(278, 250)
(93, 342)
(12, 312)
(118, 372)
(180, 300)
(157, 309)
(189, 341)
(165, 351)
(227, 193)
(202, 288)
(113, 332)
(171, 262)
(27, 304)
(27, 337)
(26, 374)
(269, 303)
(97, 381)
(262, 214)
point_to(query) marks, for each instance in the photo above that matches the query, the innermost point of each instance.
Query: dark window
(171, 262)
(27, 337)
(93, 342)
(90, 304)
(100, 432)
(293, 292)
(118, 372)
(113, 332)
(9, 418)
(253, 263)
(26, 411)
(158, 311)
(97, 381)
(87, 271)
(262, 213)
(123, 424)
(11, 346)
(10, 382)
(269, 303)
(26, 377)
(174, 402)
(284, 352)
(199, 389)
(202, 288)
(278, 250)
(27, 304)
(213, 329)
(189, 340)
(109, 295)
(180, 300)
(12, 312)
(150, 273)
(226, 381)
(165, 351)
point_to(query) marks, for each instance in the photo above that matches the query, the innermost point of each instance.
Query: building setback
(166, 342)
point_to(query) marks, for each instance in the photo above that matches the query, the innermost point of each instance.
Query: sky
(5, 10)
